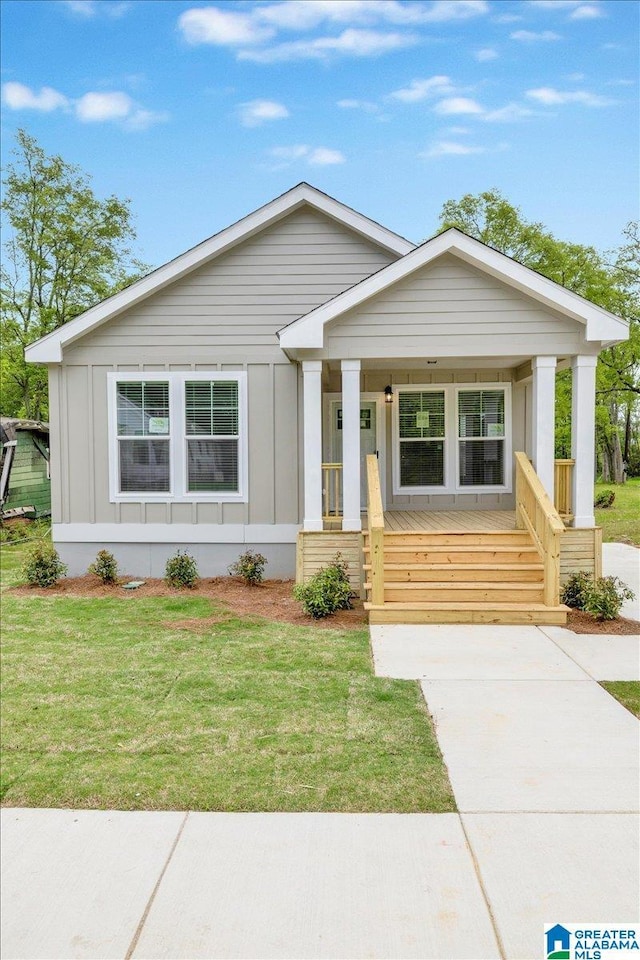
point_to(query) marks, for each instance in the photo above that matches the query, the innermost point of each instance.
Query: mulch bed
(271, 600)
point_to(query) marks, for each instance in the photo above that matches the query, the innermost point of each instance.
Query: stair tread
(460, 585)
(528, 546)
(512, 565)
(462, 605)
(452, 533)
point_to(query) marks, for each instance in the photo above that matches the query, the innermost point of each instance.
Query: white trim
(583, 416)
(312, 443)
(308, 331)
(543, 399)
(49, 349)
(350, 370)
(452, 485)
(178, 492)
(174, 533)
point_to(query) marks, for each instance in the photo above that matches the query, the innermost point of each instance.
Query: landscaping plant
(576, 588)
(181, 570)
(604, 499)
(43, 567)
(605, 597)
(326, 591)
(105, 567)
(250, 566)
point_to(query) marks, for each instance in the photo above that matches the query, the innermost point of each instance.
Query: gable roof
(602, 326)
(49, 349)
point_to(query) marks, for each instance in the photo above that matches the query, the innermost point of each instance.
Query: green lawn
(627, 692)
(621, 521)
(108, 703)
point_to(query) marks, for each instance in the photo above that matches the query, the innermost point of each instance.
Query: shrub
(43, 567)
(575, 590)
(105, 567)
(605, 597)
(326, 591)
(181, 570)
(250, 566)
(604, 499)
(13, 532)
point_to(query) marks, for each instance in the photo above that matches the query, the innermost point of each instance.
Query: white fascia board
(308, 331)
(49, 348)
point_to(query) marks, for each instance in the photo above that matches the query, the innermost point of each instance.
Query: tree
(67, 250)
(612, 281)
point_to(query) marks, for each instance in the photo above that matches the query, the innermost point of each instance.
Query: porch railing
(375, 521)
(536, 513)
(562, 488)
(331, 491)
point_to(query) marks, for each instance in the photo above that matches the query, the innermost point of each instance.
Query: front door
(368, 438)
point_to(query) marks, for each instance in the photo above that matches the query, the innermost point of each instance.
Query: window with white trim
(452, 438)
(178, 436)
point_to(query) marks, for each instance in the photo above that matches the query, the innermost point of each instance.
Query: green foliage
(181, 570)
(105, 567)
(43, 567)
(250, 566)
(66, 250)
(326, 591)
(13, 532)
(604, 499)
(575, 590)
(602, 598)
(605, 597)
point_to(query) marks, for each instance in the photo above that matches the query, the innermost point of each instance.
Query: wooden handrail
(331, 490)
(375, 520)
(562, 494)
(536, 513)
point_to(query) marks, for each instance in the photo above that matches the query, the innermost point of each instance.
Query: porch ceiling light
(388, 394)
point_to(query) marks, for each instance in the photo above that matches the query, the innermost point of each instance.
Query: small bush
(43, 567)
(327, 591)
(575, 590)
(105, 567)
(250, 566)
(604, 499)
(181, 570)
(605, 597)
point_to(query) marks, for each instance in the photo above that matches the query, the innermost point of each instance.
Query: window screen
(421, 416)
(212, 431)
(481, 432)
(143, 436)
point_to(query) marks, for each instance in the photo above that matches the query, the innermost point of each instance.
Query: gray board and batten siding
(223, 316)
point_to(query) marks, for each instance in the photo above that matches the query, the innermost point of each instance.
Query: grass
(621, 521)
(627, 692)
(108, 703)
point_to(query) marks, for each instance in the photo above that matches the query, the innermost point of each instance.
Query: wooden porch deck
(449, 520)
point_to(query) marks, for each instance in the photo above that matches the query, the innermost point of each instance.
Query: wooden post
(375, 517)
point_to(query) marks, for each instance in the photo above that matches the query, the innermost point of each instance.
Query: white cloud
(256, 112)
(588, 12)
(285, 156)
(222, 27)
(550, 97)
(453, 106)
(448, 148)
(439, 86)
(351, 42)
(322, 157)
(529, 36)
(17, 96)
(365, 105)
(97, 107)
(510, 113)
(88, 9)
(485, 55)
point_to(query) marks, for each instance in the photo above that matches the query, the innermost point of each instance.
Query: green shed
(25, 485)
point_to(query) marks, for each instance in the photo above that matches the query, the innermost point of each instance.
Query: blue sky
(200, 112)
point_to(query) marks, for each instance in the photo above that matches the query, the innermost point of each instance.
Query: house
(257, 390)
(25, 486)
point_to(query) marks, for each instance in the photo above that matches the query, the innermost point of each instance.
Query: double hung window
(178, 436)
(452, 439)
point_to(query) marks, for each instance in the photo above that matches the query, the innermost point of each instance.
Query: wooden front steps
(461, 577)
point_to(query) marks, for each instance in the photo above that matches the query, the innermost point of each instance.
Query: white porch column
(312, 417)
(543, 420)
(583, 438)
(351, 445)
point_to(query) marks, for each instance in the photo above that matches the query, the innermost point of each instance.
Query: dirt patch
(271, 600)
(581, 622)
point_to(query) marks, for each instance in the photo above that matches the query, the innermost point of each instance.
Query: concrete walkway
(623, 561)
(543, 764)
